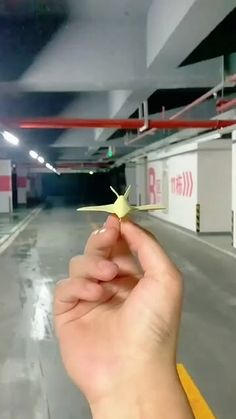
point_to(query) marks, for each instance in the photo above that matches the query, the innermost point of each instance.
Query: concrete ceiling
(108, 9)
(101, 59)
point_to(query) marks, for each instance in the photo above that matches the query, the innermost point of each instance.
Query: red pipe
(226, 106)
(207, 95)
(230, 79)
(128, 124)
(87, 165)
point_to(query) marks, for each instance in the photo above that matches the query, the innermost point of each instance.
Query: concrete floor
(9, 222)
(33, 384)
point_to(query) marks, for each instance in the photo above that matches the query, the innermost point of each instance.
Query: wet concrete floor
(33, 384)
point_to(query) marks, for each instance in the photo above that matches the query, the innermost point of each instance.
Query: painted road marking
(199, 405)
(20, 227)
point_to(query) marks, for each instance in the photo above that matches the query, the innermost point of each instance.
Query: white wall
(5, 186)
(234, 186)
(130, 176)
(215, 186)
(141, 181)
(172, 182)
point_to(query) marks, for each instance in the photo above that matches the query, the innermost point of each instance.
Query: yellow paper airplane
(121, 206)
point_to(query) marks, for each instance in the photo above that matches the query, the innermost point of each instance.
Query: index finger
(102, 241)
(151, 255)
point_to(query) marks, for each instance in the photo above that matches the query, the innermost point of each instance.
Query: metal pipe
(226, 106)
(127, 124)
(230, 80)
(207, 95)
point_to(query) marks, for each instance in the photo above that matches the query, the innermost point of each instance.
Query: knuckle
(174, 282)
(75, 260)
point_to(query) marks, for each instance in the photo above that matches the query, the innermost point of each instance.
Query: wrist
(152, 396)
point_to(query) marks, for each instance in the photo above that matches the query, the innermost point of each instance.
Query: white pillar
(234, 188)
(141, 181)
(130, 175)
(5, 186)
(21, 185)
(215, 186)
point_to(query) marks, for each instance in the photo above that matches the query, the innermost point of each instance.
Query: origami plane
(121, 206)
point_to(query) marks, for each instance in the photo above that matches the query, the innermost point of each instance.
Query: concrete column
(215, 186)
(234, 189)
(21, 185)
(130, 176)
(141, 181)
(5, 186)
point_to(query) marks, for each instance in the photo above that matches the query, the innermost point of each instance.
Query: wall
(172, 182)
(141, 181)
(79, 188)
(5, 186)
(234, 187)
(35, 186)
(215, 186)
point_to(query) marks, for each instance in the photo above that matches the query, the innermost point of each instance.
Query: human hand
(117, 319)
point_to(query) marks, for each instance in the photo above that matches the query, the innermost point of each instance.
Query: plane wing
(148, 208)
(102, 208)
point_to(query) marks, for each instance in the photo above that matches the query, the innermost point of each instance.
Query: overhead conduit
(229, 81)
(127, 124)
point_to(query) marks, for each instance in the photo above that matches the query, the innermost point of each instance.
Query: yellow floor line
(199, 405)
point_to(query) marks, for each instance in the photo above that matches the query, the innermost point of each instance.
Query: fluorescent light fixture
(33, 154)
(41, 159)
(91, 172)
(48, 166)
(10, 138)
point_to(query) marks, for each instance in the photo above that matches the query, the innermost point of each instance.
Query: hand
(117, 319)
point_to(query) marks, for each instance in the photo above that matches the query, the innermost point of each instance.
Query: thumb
(160, 289)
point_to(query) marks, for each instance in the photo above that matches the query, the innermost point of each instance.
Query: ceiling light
(41, 159)
(91, 172)
(12, 139)
(48, 166)
(33, 154)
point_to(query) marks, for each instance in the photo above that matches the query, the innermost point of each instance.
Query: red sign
(155, 191)
(5, 184)
(21, 182)
(182, 185)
